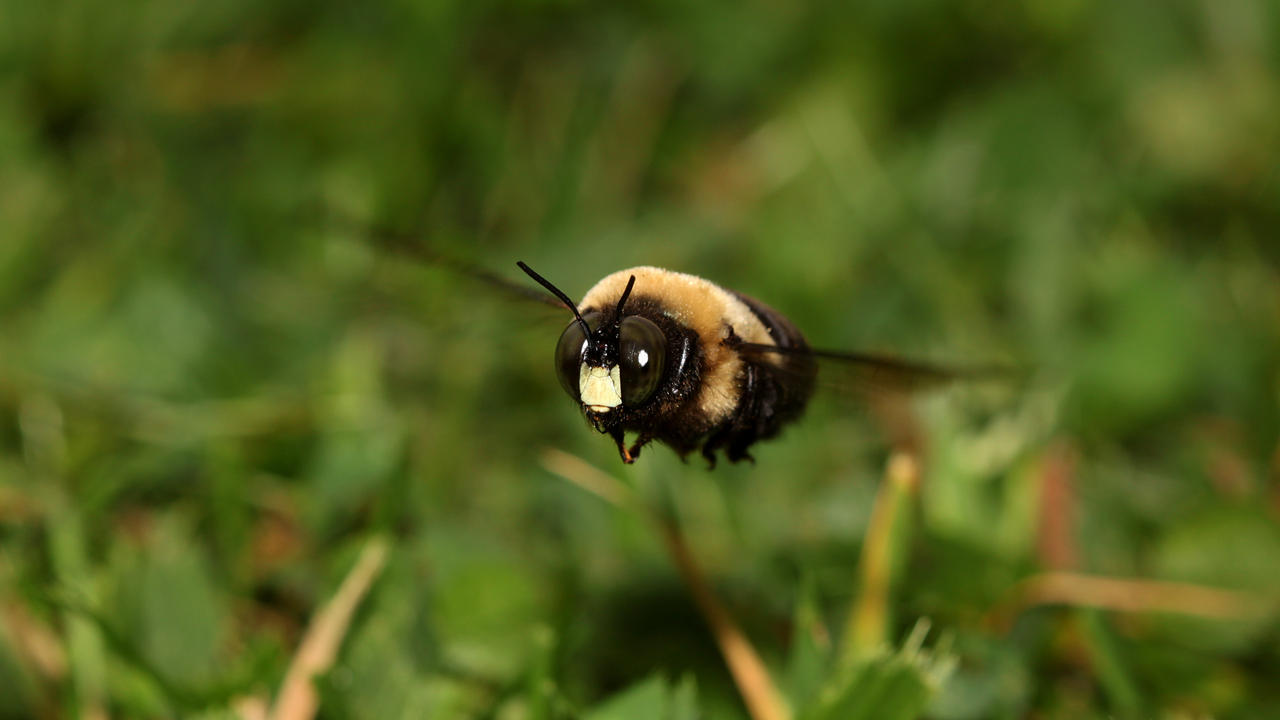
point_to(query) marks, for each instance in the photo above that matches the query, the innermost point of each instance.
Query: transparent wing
(865, 373)
(407, 245)
(882, 384)
(412, 246)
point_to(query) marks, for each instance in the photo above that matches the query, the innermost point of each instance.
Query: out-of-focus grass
(211, 393)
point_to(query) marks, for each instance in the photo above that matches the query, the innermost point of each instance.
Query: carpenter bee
(678, 359)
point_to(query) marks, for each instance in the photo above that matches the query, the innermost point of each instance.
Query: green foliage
(652, 698)
(881, 684)
(217, 379)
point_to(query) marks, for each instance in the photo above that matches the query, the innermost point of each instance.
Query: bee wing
(411, 246)
(508, 287)
(873, 373)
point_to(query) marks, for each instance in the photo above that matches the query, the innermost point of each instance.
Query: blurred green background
(215, 385)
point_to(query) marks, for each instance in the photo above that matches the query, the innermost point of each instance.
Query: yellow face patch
(600, 389)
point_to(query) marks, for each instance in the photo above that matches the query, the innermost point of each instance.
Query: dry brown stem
(1127, 595)
(319, 647)
(36, 644)
(759, 693)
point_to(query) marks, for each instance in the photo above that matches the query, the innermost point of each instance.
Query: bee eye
(643, 350)
(569, 351)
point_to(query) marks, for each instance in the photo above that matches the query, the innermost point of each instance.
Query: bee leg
(714, 443)
(618, 437)
(634, 451)
(710, 455)
(738, 449)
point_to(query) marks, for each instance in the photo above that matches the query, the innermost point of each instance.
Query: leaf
(646, 700)
(482, 600)
(1224, 548)
(809, 660)
(992, 679)
(885, 686)
(20, 690)
(541, 678)
(684, 700)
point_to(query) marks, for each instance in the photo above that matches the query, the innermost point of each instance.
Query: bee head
(606, 360)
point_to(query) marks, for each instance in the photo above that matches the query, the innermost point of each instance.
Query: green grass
(215, 387)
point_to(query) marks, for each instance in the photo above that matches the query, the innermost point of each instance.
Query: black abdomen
(794, 373)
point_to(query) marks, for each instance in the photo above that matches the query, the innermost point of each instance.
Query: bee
(682, 361)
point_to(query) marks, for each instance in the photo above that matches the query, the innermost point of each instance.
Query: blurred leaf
(646, 700)
(991, 679)
(1138, 359)
(1196, 552)
(20, 687)
(1112, 667)
(891, 685)
(172, 609)
(378, 678)
(684, 700)
(361, 440)
(481, 602)
(810, 657)
(879, 687)
(541, 681)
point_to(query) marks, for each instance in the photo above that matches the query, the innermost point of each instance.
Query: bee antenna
(559, 294)
(625, 294)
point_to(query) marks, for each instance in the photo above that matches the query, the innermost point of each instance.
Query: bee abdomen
(797, 371)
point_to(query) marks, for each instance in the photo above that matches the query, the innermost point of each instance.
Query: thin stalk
(867, 628)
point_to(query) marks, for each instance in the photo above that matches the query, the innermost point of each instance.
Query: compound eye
(643, 350)
(569, 352)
